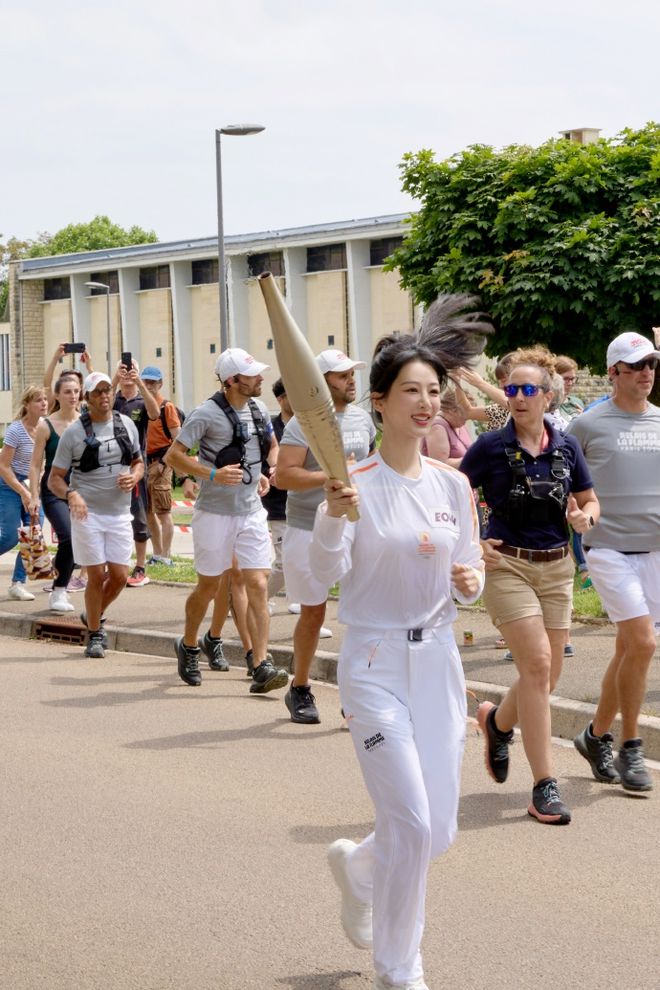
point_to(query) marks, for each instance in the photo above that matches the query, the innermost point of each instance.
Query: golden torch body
(306, 388)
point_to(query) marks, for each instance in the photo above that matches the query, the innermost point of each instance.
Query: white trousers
(406, 709)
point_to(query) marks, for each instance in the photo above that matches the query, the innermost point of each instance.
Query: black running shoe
(95, 645)
(302, 704)
(547, 806)
(188, 662)
(632, 769)
(214, 652)
(249, 662)
(266, 677)
(104, 635)
(496, 743)
(597, 751)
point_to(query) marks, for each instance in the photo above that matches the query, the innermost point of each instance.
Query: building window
(57, 288)
(157, 277)
(205, 272)
(108, 278)
(270, 261)
(212, 348)
(5, 363)
(379, 251)
(159, 352)
(327, 258)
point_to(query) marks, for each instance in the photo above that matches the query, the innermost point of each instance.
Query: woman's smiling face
(412, 402)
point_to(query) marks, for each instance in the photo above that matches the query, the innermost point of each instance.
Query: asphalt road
(158, 837)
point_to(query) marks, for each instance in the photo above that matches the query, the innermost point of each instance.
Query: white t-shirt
(394, 564)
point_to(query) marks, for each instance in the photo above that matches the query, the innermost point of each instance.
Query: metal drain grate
(60, 632)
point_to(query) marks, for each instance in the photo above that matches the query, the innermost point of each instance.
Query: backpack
(90, 456)
(163, 419)
(234, 452)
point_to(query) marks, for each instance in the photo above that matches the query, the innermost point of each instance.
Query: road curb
(569, 717)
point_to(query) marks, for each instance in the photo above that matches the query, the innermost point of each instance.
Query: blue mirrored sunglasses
(511, 391)
(650, 362)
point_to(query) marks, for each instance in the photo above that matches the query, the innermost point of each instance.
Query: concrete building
(162, 301)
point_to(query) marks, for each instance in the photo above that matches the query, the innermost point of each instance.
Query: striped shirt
(17, 436)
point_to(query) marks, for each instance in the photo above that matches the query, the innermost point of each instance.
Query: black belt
(533, 556)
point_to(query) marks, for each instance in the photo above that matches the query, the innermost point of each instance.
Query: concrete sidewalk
(147, 620)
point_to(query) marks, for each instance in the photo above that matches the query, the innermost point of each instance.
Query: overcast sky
(111, 107)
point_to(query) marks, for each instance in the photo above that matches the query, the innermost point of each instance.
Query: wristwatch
(591, 522)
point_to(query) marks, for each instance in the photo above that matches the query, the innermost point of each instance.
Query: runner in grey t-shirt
(621, 443)
(104, 469)
(299, 472)
(229, 521)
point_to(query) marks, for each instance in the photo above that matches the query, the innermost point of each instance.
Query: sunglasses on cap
(650, 362)
(511, 391)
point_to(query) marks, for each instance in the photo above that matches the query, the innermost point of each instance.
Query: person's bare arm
(437, 445)
(292, 475)
(36, 464)
(178, 458)
(8, 476)
(492, 391)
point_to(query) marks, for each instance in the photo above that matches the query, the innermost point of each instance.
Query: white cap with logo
(630, 348)
(236, 361)
(94, 380)
(333, 360)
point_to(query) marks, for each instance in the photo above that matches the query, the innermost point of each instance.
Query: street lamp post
(233, 130)
(106, 288)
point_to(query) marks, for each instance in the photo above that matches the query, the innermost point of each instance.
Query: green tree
(562, 242)
(99, 233)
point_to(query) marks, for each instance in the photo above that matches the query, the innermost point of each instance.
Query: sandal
(500, 644)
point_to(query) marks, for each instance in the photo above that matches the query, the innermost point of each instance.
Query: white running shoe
(294, 608)
(325, 633)
(355, 914)
(19, 592)
(381, 984)
(59, 601)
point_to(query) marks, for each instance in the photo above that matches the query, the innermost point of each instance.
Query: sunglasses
(651, 363)
(511, 391)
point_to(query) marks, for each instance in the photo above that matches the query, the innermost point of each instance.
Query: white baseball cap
(630, 347)
(333, 360)
(236, 361)
(94, 380)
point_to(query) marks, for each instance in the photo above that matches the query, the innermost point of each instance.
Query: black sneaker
(214, 652)
(95, 645)
(104, 635)
(547, 806)
(188, 662)
(266, 677)
(630, 764)
(302, 704)
(597, 751)
(496, 743)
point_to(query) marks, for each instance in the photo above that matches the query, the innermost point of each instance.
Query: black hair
(392, 353)
(278, 388)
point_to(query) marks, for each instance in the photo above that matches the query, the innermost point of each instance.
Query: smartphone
(127, 360)
(77, 348)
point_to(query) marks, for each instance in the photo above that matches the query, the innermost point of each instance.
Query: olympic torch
(306, 388)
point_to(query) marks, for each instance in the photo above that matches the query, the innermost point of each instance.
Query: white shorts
(301, 585)
(216, 539)
(628, 584)
(101, 539)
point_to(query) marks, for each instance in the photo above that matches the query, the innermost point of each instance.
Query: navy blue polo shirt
(487, 467)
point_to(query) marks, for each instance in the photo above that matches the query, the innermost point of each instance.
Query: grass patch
(182, 571)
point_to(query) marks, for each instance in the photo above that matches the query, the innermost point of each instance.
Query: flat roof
(202, 247)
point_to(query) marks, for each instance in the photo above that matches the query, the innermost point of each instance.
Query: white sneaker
(294, 608)
(380, 984)
(355, 914)
(271, 608)
(325, 633)
(19, 592)
(59, 601)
